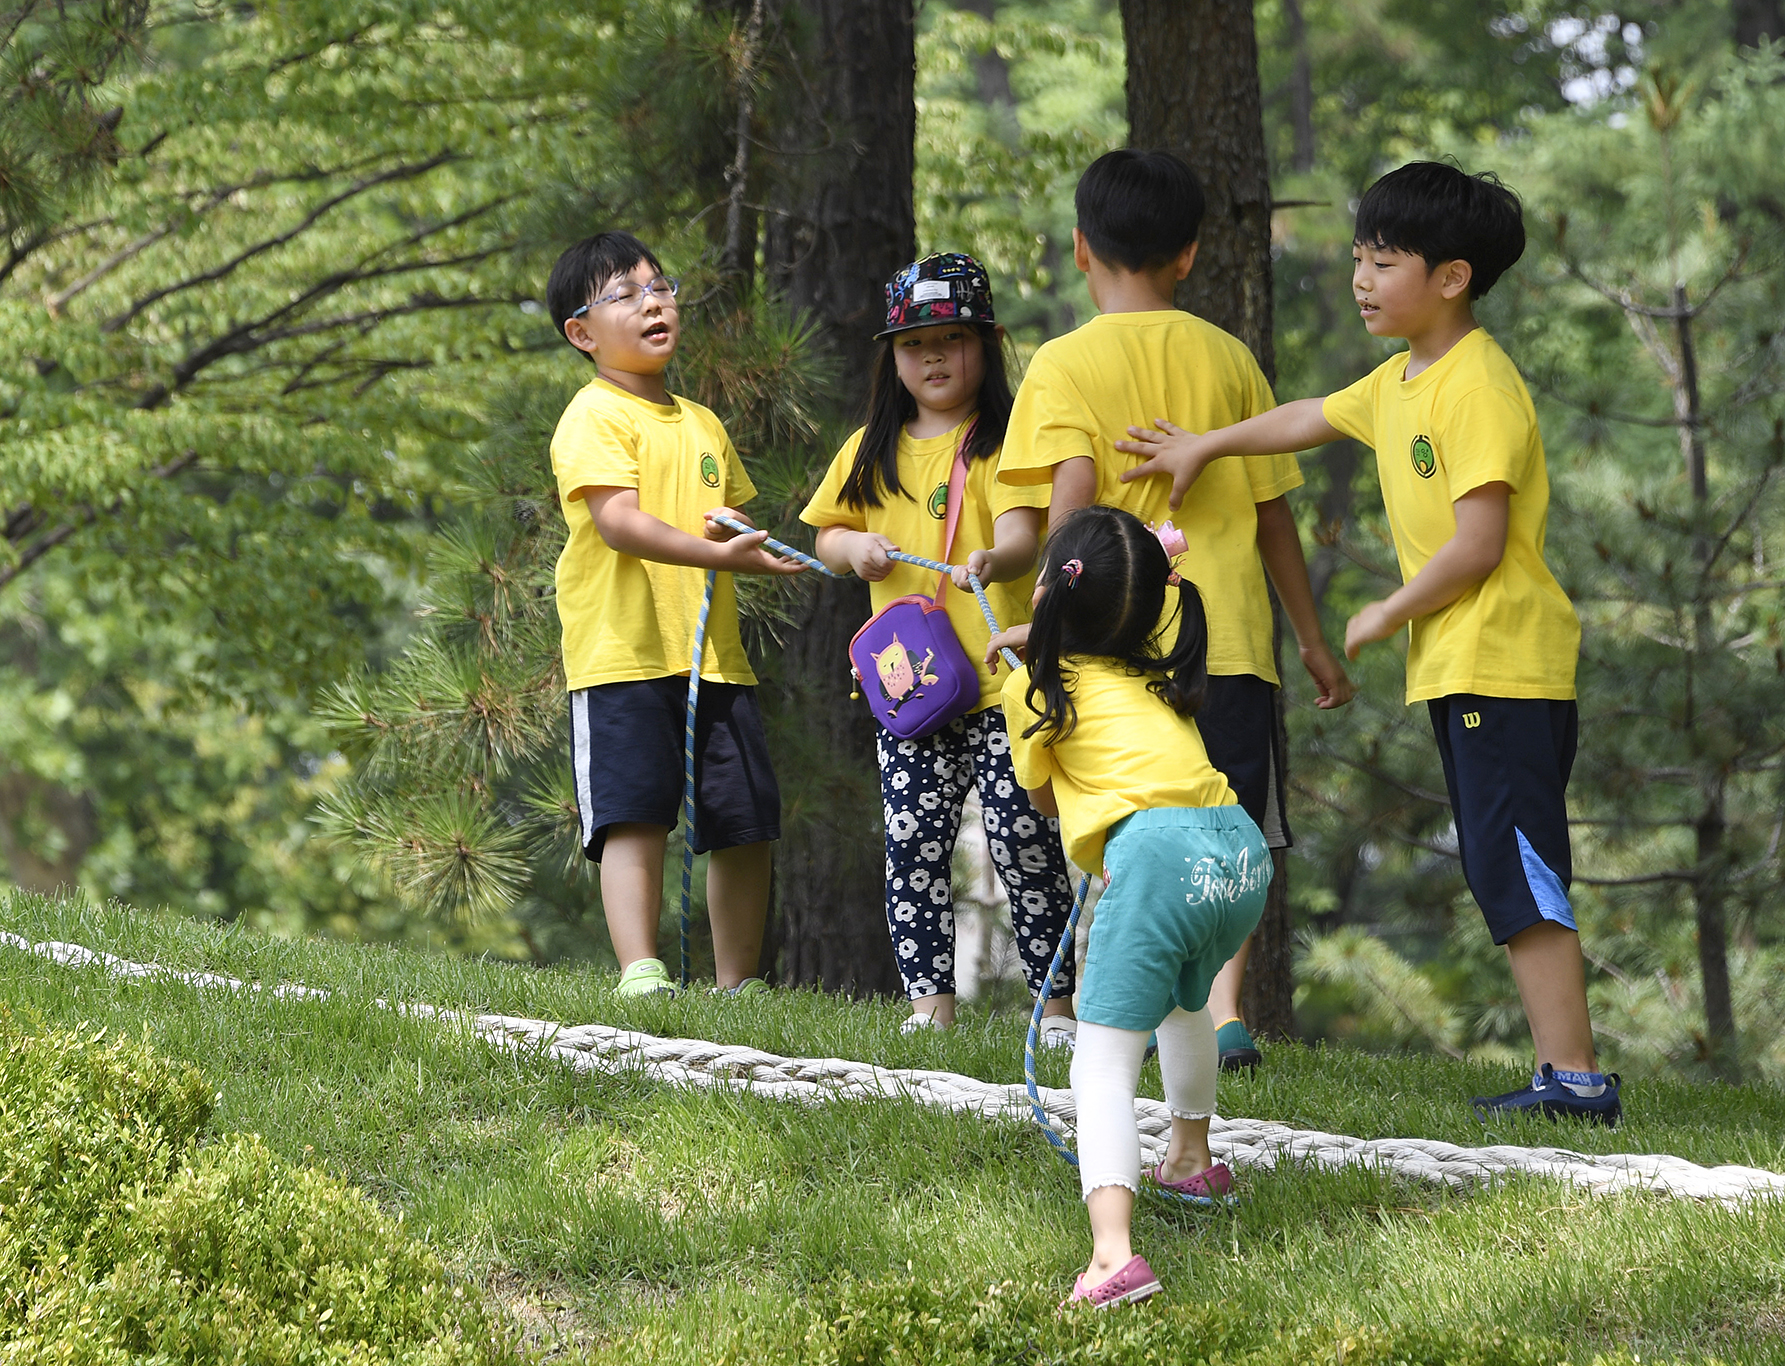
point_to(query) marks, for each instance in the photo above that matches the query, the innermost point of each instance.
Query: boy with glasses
(637, 468)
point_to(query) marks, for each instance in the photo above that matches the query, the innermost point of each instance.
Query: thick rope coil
(607, 1050)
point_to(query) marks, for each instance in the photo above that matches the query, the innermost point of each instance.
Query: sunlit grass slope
(620, 1220)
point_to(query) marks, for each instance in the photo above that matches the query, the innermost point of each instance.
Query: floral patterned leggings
(923, 784)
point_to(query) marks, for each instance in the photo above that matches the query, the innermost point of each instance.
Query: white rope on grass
(697, 1063)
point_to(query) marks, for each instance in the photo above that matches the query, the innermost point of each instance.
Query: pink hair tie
(1072, 569)
(1171, 539)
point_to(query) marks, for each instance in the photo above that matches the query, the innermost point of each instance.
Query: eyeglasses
(632, 294)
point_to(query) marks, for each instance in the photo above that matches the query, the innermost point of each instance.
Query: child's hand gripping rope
(799, 557)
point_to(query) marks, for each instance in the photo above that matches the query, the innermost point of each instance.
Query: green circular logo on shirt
(1425, 459)
(939, 502)
(709, 470)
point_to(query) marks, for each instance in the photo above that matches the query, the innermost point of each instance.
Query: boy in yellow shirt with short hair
(637, 470)
(1494, 638)
(1141, 358)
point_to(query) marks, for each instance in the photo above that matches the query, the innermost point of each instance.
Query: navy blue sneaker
(1549, 1097)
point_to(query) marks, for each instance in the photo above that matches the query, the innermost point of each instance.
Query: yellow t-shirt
(1128, 752)
(625, 618)
(915, 522)
(1084, 390)
(1463, 422)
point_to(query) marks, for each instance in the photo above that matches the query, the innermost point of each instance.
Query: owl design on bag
(901, 674)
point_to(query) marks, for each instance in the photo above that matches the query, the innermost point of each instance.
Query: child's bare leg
(1224, 994)
(738, 904)
(939, 1007)
(1189, 1065)
(1552, 983)
(632, 888)
(1112, 1215)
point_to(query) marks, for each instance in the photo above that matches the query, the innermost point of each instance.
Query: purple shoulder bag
(907, 659)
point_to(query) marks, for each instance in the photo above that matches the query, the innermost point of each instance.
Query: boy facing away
(1142, 356)
(638, 471)
(1493, 638)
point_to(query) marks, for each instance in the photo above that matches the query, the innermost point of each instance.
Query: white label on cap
(925, 291)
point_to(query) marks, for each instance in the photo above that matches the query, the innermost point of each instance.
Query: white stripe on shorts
(579, 761)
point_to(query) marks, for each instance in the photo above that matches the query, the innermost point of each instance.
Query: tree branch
(84, 516)
(408, 171)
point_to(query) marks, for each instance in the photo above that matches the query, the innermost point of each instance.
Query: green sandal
(646, 977)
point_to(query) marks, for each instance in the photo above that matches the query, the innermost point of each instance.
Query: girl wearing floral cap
(939, 394)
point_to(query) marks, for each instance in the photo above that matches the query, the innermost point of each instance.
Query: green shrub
(124, 1239)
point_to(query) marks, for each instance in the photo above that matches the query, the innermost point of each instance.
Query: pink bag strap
(957, 497)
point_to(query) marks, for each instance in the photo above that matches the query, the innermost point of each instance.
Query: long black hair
(1104, 578)
(890, 406)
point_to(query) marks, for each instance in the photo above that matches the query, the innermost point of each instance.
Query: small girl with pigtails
(1102, 735)
(940, 396)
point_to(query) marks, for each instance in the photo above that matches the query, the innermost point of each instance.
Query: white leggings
(1105, 1071)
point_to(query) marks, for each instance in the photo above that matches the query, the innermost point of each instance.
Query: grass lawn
(624, 1221)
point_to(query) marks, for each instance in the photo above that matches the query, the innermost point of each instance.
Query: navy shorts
(626, 742)
(1506, 763)
(1238, 721)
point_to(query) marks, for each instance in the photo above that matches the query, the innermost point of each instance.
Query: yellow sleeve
(593, 449)
(1049, 423)
(738, 488)
(1353, 409)
(1272, 476)
(826, 507)
(1029, 757)
(1002, 497)
(1486, 438)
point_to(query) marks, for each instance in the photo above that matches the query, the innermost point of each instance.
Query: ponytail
(1104, 579)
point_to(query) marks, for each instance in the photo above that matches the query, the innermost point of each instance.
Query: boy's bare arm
(1280, 547)
(1181, 456)
(630, 530)
(1461, 562)
(1015, 536)
(1075, 487)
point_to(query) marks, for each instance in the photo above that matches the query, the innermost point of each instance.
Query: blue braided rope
(782, 548)
(1042, 1118)
(985, 605)
(700, 642)
(800, 557)
(1047, 990)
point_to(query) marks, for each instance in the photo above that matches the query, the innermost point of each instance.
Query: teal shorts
(1186, 885)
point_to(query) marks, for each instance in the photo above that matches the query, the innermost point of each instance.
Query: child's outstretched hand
(742, 551)
(867, 555)
(1372, 624)
(1016, 640)
(1171, 452)
(977, 564)
(1334, 686)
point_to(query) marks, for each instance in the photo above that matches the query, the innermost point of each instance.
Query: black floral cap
(939, 288)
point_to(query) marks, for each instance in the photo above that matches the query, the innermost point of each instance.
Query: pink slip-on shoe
(1133, 1282)
(1205, 1185)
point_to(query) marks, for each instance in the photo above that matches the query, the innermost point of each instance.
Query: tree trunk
(844, 223)
(1193, 90)
(1301, 86)
(1713, 943)
(1711, 875)
(850, 222)
(830, 925)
